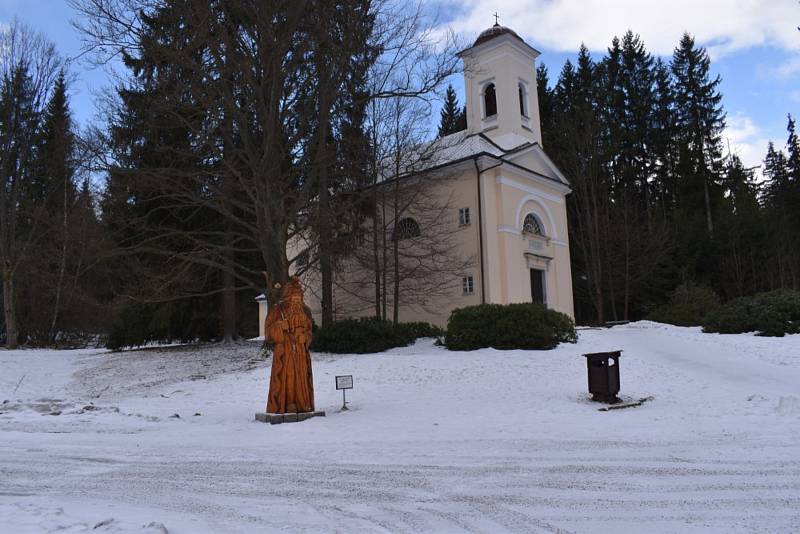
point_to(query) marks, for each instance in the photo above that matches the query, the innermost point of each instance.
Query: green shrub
(511, 326)
(769, 314)
(368, 334)
(139, 324)
(420, 329)
(689, 305)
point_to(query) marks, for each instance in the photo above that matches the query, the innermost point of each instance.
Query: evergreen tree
(776, 167)
(564, 95)
(218, 169)
(664, 135)
(782, 171)
(28, 68)
(741, 233)
(53, 185)
(637, 81)
(781, 213)
(577, 147)
(163, 196)
(453, 118)
(341, 58)
(793, 149)
(793, 187)
(700, 119)
(546, 104)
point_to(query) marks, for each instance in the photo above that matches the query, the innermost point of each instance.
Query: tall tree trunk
(598, 295)
(322, 161)
(229, 330)
(609, 267)
(8, 307)
(396, 289)
(706, 193)
(627, 284)
(376, 257)
(709, 222)
(595, 246)
(396, 253)
(229, 326)
(62, 268)
(325, 241)
(627, 289)
(326, 270)
(385, 254)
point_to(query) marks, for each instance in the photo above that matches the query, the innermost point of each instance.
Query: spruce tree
(55, 179)
(576, 145)
(781, 213)
(793, 149)
(163, 194)
(792, 200)
(452, 116)
(462, 119)
(777, 174)
(637, 80)
(546, 104)
(663, 137)
(30, 66)
(740, 233)
(700, 118)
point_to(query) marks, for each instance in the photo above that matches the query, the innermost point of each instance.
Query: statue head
(293, 290)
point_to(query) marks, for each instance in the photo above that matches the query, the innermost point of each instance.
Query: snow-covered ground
(485, 441)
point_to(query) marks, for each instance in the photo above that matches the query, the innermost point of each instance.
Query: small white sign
(344, 382)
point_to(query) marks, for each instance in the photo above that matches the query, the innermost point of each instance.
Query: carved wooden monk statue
(288, 327)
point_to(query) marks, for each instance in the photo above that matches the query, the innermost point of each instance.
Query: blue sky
(754, 44)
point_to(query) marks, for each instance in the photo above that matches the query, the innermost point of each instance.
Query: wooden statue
(288, 328)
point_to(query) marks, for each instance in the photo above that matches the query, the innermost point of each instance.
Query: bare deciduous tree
(409, 253)
(29, 66)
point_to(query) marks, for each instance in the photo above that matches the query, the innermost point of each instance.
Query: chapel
(505, 196)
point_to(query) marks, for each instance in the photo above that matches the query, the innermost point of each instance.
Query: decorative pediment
(538, 261)
(535, 159)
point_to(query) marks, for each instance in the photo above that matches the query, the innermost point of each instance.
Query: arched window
(532, 225)
(523, 108)
(406, 228)
(302, 260)
(490, 100)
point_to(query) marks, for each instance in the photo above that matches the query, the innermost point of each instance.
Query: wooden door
(537, 286)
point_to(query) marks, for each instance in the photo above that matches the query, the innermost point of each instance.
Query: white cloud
(745, 139)
(723, 26)
(790, 68)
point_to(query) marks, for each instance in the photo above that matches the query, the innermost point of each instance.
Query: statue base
(278, 418)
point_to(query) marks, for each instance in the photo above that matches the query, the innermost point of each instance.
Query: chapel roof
(461, 146)
(495, 31)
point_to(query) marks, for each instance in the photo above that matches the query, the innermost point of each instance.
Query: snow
(486, 441)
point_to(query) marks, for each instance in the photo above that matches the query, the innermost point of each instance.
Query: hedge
(529, 326)
(369, 334)
(775, 314)
(689, 305)
(139, 324)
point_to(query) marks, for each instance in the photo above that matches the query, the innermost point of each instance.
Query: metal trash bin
(603, 368)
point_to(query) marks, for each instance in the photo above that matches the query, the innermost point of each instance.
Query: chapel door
(537, 286)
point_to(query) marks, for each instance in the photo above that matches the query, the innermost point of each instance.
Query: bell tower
(500, 87)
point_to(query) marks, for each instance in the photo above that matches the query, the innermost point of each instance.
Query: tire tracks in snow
(534, 489)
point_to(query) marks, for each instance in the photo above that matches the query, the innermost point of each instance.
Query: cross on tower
(496, 19)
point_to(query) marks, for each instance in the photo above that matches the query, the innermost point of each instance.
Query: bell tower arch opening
(500, 87)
